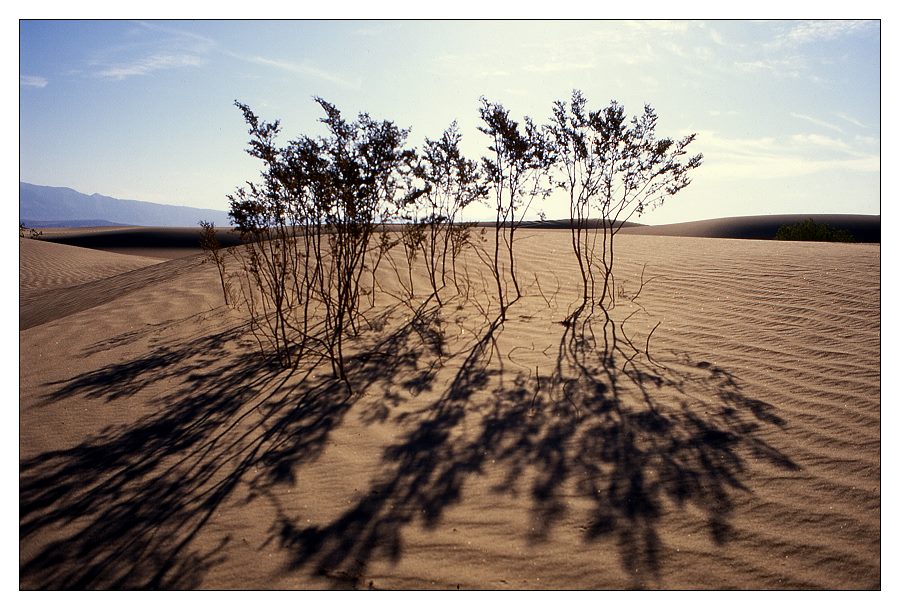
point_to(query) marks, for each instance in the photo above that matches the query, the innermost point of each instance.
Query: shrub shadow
(626, 438)
(121, 509)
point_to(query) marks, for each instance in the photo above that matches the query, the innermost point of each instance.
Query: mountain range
(49, 206)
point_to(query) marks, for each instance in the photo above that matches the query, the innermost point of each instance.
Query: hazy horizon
(787, 112)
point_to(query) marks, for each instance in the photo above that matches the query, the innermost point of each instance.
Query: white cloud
(823, 142)
(371, 29)
(868, 141)
(851, 120)
(620, 43)
(812, 31)
(179, 34)
(818, 122)
(491, 73)
(787, 166)
(26, 80)
(790, 67)
(305, 69)
(557, 66)
(657, 26)
(151, 47)
(728, 158)
(146, 65)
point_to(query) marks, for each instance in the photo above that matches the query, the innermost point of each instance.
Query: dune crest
(45, 265)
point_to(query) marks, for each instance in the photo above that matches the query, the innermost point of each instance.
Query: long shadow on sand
(121, 509)
(626, 437)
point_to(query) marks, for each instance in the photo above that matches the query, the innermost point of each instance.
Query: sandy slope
(157, 451)
(45, 265)
(57, 280)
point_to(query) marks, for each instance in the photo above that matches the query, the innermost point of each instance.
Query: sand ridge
(156, 242)
(44, 265)
(156, 451)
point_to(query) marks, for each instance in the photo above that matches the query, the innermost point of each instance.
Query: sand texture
(741, 450)
(44, 265)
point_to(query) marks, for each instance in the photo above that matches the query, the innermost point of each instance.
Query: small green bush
(809, 230)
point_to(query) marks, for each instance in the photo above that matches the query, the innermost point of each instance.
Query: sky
(787, 113)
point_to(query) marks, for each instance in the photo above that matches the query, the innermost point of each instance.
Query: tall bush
(613, 169)
(308, 224)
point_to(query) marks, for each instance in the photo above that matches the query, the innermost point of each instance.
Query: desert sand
(740, 449)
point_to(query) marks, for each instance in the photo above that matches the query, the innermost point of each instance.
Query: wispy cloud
(790, 67)
(806, 32)
(179, 33)
(626, 44)
(29, 81)
(476, 66)
(305, 68)
(818, 122)
(374, 29)
(146, 65)
(151, 48)
(785, 67)
(784, 49)
(825, 143)
(793, 156)
(851, 120)
(557, 66)
(657, 26)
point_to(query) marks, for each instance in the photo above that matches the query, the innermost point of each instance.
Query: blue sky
(787, 113)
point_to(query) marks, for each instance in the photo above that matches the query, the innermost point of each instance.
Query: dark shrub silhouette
(612, 169)
(308, 225)
(450, 183)
(214, 253)
(517, 171)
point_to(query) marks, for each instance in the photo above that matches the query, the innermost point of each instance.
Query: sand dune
(157, 242)
(864, 228)
(157, 451)
(45, 265)
(167, 242)
(56, 280)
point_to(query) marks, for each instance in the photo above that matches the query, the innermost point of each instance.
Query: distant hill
(47, 224)
(556, 224)
(45, 206)
(865, 228)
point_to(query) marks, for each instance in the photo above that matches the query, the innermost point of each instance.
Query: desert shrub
(459, 235)
(810, 230)
(383, 245)
(517, 170)
(209, 242)
(449, 182)
(612, 169)
(32, 232)
(307, 228)
(413, 237)
(319, 217)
